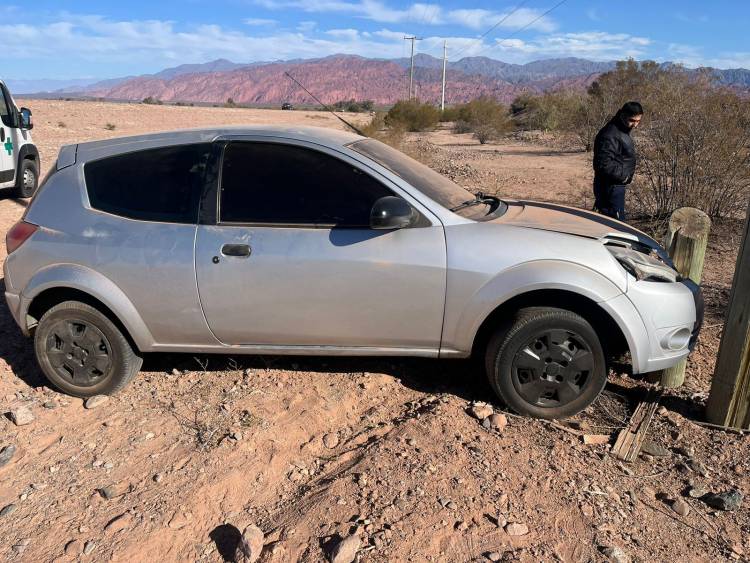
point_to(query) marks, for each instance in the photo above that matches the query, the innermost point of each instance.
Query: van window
(5, 105)
(161, 184)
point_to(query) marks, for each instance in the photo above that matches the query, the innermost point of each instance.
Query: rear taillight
(18, 234)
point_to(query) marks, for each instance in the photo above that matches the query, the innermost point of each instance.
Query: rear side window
(271, 183)
(161, 184)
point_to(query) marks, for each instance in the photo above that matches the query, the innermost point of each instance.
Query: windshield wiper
(479, 198)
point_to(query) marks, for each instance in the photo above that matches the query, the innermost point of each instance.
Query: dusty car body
(228, 273)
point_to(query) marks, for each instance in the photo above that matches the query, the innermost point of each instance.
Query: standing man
(614, 161)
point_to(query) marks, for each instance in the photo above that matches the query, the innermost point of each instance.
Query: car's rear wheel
(82, 352)
(548, 364)
(27, 179)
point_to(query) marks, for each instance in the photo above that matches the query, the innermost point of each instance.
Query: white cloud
(595, 45)
(306, 26)
(420, 13)
(259, 22)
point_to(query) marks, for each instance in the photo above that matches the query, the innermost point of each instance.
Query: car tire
(82, 352)
(548, 363)
(27, 179)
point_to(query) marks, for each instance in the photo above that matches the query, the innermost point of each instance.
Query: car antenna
(325, 106)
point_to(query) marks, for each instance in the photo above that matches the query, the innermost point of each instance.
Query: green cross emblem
(9, 146)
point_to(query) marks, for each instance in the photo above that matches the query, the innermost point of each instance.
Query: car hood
(572, 221)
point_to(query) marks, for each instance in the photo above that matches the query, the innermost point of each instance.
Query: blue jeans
(610, 200)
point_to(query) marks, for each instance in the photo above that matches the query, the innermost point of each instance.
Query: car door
(292, 261)
(7, 146)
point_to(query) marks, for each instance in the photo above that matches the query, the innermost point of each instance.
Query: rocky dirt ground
(400, 456)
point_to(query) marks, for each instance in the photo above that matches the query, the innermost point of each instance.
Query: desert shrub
(486, 117)
(152, 101)
(110, 126)
(377, 129)
(450, 113)
(551, 111)
(230, 103)
(354, 106)
(412, 115)
(462, 126)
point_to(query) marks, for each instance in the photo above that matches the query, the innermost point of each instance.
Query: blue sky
(94, 39)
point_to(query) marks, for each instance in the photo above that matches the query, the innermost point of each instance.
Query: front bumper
(671, 315)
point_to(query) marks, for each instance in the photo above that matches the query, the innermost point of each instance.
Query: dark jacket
(614, 154)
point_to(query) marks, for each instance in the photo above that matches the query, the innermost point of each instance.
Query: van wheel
(27, 179)
(548, 364)
(82, 352)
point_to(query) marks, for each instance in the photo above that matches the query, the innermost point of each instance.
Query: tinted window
(153, 185)
(5, 108)
(284, 184)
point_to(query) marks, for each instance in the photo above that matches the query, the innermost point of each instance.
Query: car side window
(5, 102)
(270, 183)
(161, 184)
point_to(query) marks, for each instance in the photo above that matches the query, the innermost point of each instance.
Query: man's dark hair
(631, 109)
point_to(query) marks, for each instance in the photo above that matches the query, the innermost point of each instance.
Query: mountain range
(343, 77)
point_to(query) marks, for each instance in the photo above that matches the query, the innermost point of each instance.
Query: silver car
(291, 240)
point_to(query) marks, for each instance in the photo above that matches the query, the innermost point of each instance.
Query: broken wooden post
(631, 438)
(729, 400)
(686, 241)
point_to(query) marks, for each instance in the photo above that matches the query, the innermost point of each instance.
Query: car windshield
(435, 186)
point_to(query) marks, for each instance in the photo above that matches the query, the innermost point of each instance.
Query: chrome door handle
(238, 250)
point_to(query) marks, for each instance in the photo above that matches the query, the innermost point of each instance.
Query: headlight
(643, 266)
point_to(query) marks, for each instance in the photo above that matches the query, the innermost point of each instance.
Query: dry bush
(487, 118)
(552, 111)
(413, 115)
(377, 129)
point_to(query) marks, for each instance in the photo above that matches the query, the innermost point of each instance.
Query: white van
(19, 157)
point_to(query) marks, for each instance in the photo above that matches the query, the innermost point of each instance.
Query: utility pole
(411, 38)
(445, 59)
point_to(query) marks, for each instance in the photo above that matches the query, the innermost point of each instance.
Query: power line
(532, 22)
(509, 14)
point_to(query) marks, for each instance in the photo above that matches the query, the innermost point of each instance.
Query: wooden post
(686, 241)
(729, 400)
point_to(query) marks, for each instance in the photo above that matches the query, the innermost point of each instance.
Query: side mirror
(25, 117)
(392, 212)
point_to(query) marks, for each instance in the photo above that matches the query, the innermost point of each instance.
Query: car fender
(75, 276)
(28, 150)
(541, 275)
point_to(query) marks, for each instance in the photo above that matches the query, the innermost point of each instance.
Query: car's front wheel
(82, 352)
(548, 364)
(27, 179)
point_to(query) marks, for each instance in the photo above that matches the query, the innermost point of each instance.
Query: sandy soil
(314, 450)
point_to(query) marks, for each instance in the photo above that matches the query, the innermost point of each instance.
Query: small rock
(654, 449)
(50, 405)
(20, 546)
(729, 500)
(698, 467)
(480, 411)
(681, 507)
(175, 371)
(516, 529)
(596, 439)
(6, 454)
(331, 440)
(500, 521)
(498, 422)
(88, 547)
(235, 435)
(21, 416)
(149, 436)
(450, 505)
(95, 401)
(118, 523)
(7, 510)
(346, 550)
(158, 478)
(179, 520)
(274, 553)
(696, 492)
(250, 545)
(616, 555)
(73, 547)
(107, 492)
(494, 556)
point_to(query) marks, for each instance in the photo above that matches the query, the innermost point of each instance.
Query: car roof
(320, 135)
